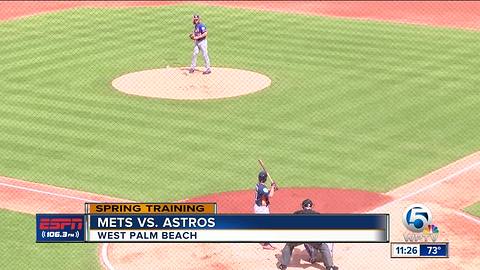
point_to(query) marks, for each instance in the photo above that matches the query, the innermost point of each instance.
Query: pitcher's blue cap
(196, 16)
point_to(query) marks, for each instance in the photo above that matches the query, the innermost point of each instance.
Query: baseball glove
(191, 36)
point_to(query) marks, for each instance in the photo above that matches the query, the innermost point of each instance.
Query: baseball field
(363, 113)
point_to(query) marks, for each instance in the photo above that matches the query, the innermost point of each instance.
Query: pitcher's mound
(178, 83)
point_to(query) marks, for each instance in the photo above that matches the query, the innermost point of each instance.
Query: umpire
(312, 248)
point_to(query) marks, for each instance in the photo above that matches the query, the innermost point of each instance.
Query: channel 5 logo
(416, 217)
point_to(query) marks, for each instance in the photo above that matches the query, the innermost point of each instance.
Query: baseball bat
(265, 169)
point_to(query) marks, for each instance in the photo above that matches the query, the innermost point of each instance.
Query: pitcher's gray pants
(200, 46)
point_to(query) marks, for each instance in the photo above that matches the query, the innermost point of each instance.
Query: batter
(262, 200)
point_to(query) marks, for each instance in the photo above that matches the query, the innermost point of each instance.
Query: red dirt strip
(15, 9)
(29, 197)
(288, 200)
(455, 14)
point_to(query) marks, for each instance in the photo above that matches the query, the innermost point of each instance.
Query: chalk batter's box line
(215, 208)
(421, 243)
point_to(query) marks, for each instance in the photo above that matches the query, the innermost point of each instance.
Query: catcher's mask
(307, 204)
(262, 176)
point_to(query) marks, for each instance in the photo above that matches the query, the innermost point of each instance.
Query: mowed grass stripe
(345, 52)
(103, 115)
(89, 138)
(116, 105)
(45, 155)
(108, 128)
(98, 120)
(118, 160)
(113, 106)
(41, 58)
(287, 43)
(49, 107)
(64, 142)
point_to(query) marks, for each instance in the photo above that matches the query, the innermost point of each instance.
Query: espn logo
(61, 223)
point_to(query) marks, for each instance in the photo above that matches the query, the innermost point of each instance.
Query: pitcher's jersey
(199, 29)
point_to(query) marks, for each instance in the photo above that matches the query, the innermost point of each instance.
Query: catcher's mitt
(191, 36)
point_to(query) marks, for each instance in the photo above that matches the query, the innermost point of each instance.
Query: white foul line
(471, 218)
(105, 259)
(442, 180)
(49, 193)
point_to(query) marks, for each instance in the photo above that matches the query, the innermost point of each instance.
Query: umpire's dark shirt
(305, 212)
(308, 212)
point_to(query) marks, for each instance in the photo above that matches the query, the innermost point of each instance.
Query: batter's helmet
(307, 204)
(262, 176)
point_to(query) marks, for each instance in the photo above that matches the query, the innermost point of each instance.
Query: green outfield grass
(365, 105)
(474, 209)
(19, 251)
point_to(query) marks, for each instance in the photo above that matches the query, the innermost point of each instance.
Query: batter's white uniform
(261, 209)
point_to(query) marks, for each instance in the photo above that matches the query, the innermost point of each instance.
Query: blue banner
(60, 228)
(226, 221)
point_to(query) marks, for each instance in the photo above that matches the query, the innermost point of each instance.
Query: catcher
(313, 249)
(262, 199)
